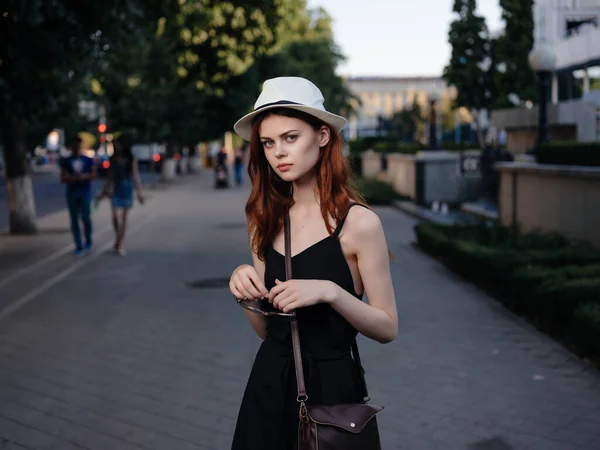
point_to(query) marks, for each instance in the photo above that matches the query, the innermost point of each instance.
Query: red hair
(271, 196)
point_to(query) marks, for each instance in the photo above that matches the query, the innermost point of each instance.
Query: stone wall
(564, 199)
(425, 177)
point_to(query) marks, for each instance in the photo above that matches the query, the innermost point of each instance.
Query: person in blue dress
(77, 171)
(122, 178)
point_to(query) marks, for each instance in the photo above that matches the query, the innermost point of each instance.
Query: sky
(397, 37)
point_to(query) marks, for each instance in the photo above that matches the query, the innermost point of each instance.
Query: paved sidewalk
(131, 353)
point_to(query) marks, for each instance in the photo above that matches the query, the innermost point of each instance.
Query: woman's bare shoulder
(361, 223)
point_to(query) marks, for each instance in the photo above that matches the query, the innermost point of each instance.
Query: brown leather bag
(348, 426)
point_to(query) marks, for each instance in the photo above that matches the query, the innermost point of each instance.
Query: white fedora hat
(289, 92)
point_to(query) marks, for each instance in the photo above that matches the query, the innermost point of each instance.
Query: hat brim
(243, 127)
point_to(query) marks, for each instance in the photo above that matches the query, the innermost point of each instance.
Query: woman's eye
(291, 138)
(267, 143)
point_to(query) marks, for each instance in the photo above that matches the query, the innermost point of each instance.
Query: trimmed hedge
(569, 153)
(397, 147)
(376, 192)
(585, 327)
(544, 277)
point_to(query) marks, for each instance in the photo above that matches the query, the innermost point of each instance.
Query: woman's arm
(377, 319)
(248, 282)
(258, 322)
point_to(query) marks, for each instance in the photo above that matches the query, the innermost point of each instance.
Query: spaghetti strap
(340, 225)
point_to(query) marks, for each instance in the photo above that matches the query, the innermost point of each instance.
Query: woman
(339, 252)
(123, 176)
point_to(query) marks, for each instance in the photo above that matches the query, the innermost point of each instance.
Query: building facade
(384, 96)
(572, 29)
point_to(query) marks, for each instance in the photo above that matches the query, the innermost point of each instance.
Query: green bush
(361, 144)
(376, 192)
(569, 153)
(556, 301)
(585, 327)
(542, 276)
(397, 147)
(525, 281)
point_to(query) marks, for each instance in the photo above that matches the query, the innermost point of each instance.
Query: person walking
(77, 171)
(239, 164)
(338, 253)
(122, 178)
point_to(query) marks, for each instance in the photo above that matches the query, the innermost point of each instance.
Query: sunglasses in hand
(263, 307)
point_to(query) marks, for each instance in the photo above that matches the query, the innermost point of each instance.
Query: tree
(469, 65)
(47, 48)
(514, 76)
(305, 48)
(409, 121)
(171, 84)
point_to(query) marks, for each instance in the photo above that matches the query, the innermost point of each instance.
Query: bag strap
(302, 396)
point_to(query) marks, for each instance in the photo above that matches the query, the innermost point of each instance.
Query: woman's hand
(140, 197)
(245, 283)
(290, 295)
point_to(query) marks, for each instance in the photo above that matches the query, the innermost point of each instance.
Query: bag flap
(351, 417)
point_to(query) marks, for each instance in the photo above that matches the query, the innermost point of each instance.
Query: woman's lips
(284, 167)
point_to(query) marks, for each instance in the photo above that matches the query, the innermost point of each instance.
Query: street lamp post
(433, 99)
(542, 60)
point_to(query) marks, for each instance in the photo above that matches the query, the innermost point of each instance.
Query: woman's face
(292, 147)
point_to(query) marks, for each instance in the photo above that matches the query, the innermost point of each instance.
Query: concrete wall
(571, 120)
(371, 164)
(425, 177)
(402, 173)
(564, 199)
(443, 180)
(581, 113)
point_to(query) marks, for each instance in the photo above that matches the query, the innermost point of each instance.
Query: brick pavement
(121, 353)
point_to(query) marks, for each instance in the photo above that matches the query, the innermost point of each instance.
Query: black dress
(268, 416)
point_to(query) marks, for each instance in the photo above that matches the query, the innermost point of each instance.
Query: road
(50, 194)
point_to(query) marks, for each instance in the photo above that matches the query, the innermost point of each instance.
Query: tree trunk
(19, 188)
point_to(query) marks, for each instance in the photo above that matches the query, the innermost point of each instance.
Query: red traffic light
(102, 128)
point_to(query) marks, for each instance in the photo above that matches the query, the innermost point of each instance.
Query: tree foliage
(469, 62)
(409, 122)
(195, 66)
(47, 50)
(174, 71)
(470, 67)
(513, 74)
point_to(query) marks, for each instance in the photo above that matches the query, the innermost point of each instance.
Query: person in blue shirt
(77, 172)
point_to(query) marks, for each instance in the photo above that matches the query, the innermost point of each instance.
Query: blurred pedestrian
(77, 171)
(121, 180)
(239, 164)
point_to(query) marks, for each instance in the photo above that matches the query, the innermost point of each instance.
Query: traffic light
(102, 128)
